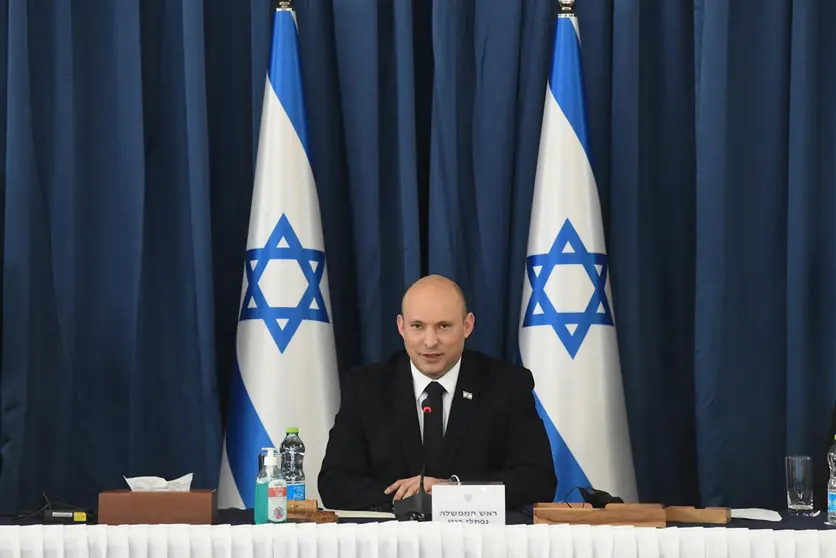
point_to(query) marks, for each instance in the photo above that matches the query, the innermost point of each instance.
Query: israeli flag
(567, 330)
(286, 372)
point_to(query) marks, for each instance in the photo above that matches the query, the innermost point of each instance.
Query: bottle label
(831, 501)
(277, 502)
(296, 491)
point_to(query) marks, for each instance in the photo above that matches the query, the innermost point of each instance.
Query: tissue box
(126, 507)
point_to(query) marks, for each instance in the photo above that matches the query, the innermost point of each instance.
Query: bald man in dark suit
(438, 406)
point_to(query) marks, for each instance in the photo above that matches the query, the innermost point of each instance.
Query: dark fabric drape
(108, 365)
(127, 151)
(712, 128)
(130, 140)
(766, 139)
(642, 119)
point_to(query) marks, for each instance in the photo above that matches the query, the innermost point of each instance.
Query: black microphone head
(598, 498)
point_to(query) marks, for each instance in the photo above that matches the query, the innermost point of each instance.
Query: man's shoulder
(497, 371)
(377, 373)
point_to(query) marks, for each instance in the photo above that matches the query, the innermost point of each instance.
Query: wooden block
(302, 506)
(689, 514)
(316, 517)
(637, 515)
(307, 511)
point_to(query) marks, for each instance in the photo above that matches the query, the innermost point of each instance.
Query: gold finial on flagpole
(567, 7)
(284, 4)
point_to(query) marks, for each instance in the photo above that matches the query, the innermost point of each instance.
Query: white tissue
(756, 514)
(159, 484)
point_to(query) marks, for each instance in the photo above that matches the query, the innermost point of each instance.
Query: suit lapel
(406, 413)
(469, 382)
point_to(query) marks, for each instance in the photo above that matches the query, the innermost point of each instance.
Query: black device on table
(417, 507)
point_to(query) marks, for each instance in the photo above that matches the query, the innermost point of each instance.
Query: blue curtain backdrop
(712, 126)
(127, 148)
(129, 153)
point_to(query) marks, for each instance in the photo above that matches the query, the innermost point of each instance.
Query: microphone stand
(417, 507)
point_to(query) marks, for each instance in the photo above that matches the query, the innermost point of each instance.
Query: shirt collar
(448, 381)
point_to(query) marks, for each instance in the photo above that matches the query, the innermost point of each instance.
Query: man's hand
(405, 488)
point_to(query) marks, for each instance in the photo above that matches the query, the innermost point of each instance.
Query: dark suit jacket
(496, 435)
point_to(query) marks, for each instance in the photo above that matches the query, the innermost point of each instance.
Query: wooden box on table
(126, 507)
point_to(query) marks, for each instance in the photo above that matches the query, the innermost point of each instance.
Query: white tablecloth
(407, 540)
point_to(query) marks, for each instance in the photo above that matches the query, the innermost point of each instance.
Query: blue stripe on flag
(569, 473)
(564, 82)
(245, 436)
(567, 469)
(285, 73)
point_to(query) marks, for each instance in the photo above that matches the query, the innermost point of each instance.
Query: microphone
(598, 498)
(419, 506)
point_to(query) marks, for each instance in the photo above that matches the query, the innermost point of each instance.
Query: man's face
(434, 326)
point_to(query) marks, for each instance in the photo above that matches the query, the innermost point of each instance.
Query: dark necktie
(433, 430)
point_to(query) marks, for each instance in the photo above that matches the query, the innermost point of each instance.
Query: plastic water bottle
(270, 491)
(293, 457)
(831, 485)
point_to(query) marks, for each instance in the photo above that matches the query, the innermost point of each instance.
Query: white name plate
(475, 504)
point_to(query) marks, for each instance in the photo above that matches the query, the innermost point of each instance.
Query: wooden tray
(689, 514)
(637, 515)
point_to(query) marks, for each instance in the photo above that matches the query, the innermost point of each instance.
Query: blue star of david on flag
(312, 304)
(567, 249)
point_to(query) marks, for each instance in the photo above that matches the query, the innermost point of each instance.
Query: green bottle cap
(292, 430)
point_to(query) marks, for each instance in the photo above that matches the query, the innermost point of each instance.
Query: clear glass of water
(799, 470)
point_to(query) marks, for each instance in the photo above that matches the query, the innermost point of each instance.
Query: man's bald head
(434, 322)
(435, 284)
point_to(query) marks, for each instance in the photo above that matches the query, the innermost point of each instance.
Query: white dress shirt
(420, 383)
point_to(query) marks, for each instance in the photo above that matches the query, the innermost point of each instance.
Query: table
(394, 539)
(525, 517)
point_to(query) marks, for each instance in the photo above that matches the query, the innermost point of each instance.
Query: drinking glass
(799, 470)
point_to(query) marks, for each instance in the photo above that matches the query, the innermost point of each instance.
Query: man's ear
(400, 324)
(469, 322)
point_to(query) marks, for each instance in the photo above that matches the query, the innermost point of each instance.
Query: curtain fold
(491, 59)
(811, 234)
(741, 268)
(359, 74)
(647, 173)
